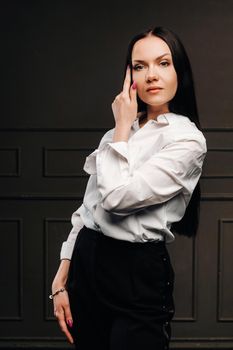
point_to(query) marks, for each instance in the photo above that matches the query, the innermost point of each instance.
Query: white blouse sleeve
(175, 168)
(68, 245)
(76, 220)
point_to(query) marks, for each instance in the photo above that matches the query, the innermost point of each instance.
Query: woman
(114, 287)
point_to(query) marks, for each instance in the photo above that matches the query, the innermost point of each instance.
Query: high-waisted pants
(121, 293)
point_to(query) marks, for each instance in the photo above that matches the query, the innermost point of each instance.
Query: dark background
(62, 65)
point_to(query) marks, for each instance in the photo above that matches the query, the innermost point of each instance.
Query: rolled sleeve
(121, 147)
(67, 250)
(68, 246)
(90, 163)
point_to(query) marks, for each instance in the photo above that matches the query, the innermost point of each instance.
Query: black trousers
(121, 293)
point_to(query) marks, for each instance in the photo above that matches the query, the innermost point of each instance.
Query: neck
(153, 112)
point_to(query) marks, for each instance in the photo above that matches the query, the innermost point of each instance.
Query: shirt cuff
(121, 147)
(90, 163)
(67, 250)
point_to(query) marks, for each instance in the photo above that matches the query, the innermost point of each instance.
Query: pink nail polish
(70, 323)
(134, 85)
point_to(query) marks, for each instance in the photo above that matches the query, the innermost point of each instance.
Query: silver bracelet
(51, 296)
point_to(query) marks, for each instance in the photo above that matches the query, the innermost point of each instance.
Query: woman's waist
(139, 228)
(122, 244)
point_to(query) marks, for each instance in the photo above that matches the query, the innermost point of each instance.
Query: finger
(65, 330)
(68, 316)
(133, 92)
(62, 323)
(126, 84)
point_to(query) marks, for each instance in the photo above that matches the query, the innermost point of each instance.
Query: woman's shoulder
(180, 120)
(182, 128)
(183, 123)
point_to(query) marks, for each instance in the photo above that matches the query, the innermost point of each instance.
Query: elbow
(115, 207)
(120, 206)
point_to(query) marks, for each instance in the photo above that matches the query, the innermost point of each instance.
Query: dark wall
(62, 65)
(54, 50)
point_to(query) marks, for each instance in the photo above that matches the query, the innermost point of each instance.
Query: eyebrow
(165, 54)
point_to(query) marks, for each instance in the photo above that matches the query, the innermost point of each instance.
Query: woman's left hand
(125, 105)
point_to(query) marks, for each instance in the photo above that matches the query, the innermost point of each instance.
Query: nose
(151, 74)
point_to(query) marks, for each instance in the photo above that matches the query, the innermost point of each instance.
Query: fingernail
(70, 323)
(134, 85)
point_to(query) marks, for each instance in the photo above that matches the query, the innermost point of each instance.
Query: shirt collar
(162, 119)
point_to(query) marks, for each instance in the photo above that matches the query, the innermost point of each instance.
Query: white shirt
(138, 188)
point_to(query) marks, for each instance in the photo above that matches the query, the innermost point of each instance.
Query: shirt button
(164, 258)
(168, 283)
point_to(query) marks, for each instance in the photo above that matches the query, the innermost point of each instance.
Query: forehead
(149, 48)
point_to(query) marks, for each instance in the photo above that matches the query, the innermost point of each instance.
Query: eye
(164, 63)
(138, 67)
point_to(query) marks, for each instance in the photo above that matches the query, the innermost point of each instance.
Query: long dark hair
(184, 103)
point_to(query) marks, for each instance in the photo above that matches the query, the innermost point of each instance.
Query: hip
(109, 261)
(124, 277)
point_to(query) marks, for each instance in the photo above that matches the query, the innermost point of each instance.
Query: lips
(154, 88)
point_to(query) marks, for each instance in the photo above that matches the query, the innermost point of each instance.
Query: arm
(61, 301)
(176, 168)
(68, 245)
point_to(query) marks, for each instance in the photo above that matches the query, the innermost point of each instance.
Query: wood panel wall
(50, 120)
(42, 182)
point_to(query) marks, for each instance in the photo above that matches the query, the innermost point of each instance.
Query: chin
(155, 103)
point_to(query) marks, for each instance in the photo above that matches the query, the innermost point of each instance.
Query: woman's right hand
(61, 301)
(125, 105)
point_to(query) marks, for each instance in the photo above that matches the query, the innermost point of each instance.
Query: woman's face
(153, 68)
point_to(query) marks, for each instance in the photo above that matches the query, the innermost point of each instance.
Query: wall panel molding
(74, 129)
(10, 155)
(224, 273)
(229, 162)
(17, 292)
(49, 155)
(194, 277)
(39, 343)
